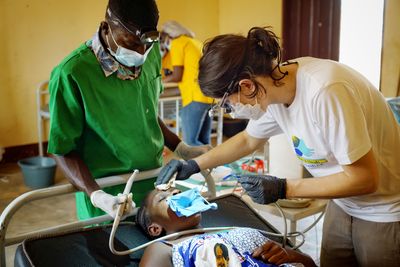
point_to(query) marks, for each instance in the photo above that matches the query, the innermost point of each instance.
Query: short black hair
(143, 218)
(139, 15)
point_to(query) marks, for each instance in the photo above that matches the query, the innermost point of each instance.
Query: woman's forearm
(358, 178)
(235, 148)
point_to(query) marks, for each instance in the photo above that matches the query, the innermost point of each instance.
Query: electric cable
(285, 233)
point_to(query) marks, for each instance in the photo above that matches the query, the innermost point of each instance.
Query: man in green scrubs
(104, 108)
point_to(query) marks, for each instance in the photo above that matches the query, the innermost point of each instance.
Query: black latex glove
(263, 189)
(184, 170)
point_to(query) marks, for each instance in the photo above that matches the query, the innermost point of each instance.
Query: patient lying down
(237, 247)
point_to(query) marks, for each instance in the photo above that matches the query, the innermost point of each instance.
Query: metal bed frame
(27, 197)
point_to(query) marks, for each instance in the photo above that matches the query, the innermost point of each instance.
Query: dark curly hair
(229, 58)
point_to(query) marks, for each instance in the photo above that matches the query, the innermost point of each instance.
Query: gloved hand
(263, 189)
(129, 206)
(183, 170)
(109, 203)
(187, 152)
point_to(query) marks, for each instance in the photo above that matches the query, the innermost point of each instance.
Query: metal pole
(39, 120)
(220, 126)
(162, 109)
(177, 116)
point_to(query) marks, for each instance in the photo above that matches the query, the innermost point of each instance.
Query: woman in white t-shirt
(340, 127)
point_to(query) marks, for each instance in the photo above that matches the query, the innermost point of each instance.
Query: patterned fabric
(108, 63)
(243, 241)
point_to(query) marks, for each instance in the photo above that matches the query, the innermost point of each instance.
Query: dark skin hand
(176, 75)
(272, 252)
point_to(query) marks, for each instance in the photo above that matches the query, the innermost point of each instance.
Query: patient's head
(156, 218)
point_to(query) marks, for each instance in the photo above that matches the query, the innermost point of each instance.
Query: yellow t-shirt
(186, 52)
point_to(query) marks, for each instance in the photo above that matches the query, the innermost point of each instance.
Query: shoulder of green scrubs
(111, 123)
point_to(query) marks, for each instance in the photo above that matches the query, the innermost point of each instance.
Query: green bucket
(38, 172)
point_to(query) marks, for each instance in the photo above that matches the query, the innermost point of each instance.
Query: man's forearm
(171, 140)
(77, 172)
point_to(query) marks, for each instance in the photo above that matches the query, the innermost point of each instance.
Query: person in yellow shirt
(166, 65)
(183, 52)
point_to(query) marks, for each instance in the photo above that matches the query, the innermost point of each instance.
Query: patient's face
(161, 213)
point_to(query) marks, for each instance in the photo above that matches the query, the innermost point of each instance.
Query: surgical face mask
(126, 56)
(168, 45)
(242, 111)
(189, 202)
(162, 52)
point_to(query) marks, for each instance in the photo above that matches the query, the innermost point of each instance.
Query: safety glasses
(146, 38)
(223, 104)
(150, 37)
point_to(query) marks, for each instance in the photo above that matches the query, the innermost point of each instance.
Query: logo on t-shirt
(304, 153)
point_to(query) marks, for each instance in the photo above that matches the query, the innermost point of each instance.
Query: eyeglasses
(146, 38)
(223, 104)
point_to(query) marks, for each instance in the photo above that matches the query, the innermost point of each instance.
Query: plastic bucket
(38, 172)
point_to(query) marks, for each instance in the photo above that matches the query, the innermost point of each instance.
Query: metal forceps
(165, 187)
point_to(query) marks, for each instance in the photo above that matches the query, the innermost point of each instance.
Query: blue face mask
(189, 203)
(126, 56)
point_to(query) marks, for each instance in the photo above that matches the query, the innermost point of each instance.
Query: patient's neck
(184, 237)
(182, 228)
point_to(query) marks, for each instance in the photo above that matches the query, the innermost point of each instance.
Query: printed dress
(221, 249)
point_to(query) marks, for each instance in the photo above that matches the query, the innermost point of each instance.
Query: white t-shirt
(337, 116)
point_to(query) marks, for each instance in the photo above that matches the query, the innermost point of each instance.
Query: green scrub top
(111, 123)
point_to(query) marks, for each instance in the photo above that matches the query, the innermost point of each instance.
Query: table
(292, 214)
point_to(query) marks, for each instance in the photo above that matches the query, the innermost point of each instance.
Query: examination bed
(76, 244)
